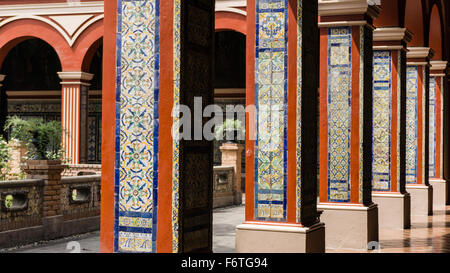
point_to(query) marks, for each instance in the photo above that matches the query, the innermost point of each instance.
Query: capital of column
(2, 78)
(419, 55)
(75, 77)
(391, 38)
(334, 13)
(438, 68)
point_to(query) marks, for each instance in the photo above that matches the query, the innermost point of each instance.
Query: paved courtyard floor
(429, 234)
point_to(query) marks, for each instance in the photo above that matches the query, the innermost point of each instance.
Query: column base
(350, 226)
(439, 193)
(264, 238)
(394, 209)
(421, 199)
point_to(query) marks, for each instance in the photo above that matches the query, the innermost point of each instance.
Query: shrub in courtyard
(43, 139)
(229, 127)
(4, 158)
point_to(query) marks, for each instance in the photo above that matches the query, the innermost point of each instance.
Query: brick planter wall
(43, 206)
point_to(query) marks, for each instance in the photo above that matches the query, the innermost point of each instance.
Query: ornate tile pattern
(271, 101)
(433, 109)
(399, 92)
(361, 111)
(411, 124)
(299, 103)
(339, 113)
(176, 142)
(136, 175)
(382, 116)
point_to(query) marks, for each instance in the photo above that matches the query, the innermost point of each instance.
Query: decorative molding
(392, 34)
(71, 23)
(435, 65)
(231, 6)
(419, 52)
(348, 7)
(70, 39)
(75, 75)
(52, 9)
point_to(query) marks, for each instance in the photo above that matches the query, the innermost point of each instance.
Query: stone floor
(427, 235)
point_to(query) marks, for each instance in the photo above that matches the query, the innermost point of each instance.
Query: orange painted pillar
(417, 127)
(438, 72)
(155, 62)
(389, 104)
(346, 33)
(74, 114)
(281, 168)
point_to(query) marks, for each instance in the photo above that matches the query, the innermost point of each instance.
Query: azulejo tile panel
(271, 101)
(176, 121)
(299, 104)
(339, 113)
(382, 116)
(411, 124)
(433, 109)
(136, 126)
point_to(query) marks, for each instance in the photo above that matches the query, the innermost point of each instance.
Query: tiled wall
(382, 117)
(339, 113)
(136, 170)
(432, 132)
(411, 124)
(271, 103)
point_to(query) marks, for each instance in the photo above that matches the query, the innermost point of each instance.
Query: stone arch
(231, 21)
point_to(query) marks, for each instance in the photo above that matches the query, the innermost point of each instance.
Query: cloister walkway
(429, 234)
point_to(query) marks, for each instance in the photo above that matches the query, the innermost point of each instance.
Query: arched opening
(229, 94)
(93, 64)
(435, 35)
(31, 87)
(389, 16)
(414, 21)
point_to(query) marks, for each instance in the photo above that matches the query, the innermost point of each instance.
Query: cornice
(348, 7)
(419, 52)
(392, 34)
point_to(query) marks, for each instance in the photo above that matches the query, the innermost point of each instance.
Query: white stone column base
(350, 226)
(439, 193)
(272, 238)
(394, 209)
(421, 199)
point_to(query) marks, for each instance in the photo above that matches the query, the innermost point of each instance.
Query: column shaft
(389, 105)
(74, 114)
(281, 172)
(417, 128)
(440, 187)
(346, 122)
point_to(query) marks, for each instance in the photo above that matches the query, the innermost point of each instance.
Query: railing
(23, 202)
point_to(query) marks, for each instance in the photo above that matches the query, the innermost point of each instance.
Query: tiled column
(389, 104)
(437, 76)
(156, 187)
(346, 33)
(281, 168)
(3, 107)
(74, 115)
(417, 138)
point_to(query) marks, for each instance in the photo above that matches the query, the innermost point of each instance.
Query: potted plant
(229, 130)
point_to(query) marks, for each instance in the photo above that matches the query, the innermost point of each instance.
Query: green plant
(4, 158)
(43, 139)
(227, 126)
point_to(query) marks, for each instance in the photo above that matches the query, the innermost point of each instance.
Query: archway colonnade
(75, 33)
(377, 71)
